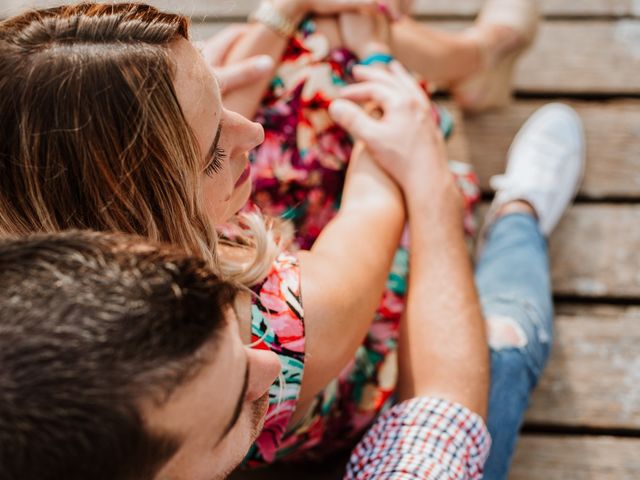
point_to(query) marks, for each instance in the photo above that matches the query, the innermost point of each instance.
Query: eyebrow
(214, 145)
(239, 404)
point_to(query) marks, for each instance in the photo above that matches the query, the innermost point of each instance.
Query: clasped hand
(405, 140)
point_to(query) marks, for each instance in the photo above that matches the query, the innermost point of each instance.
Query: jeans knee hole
(504, 332)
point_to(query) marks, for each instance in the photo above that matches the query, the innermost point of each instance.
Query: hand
(241, 74)
(405, 141)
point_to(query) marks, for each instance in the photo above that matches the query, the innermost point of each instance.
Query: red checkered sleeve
(423, 438)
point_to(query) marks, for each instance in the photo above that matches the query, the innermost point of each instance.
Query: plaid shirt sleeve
(423, 438)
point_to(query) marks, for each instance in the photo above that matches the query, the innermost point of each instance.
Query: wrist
(292, 10)
(434, 194)
(371, 49)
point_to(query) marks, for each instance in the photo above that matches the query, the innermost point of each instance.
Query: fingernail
(264, 63)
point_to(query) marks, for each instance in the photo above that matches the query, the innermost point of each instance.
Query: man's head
(121, 360)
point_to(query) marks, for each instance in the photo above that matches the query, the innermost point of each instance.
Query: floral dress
(277, 324)
(298, 174)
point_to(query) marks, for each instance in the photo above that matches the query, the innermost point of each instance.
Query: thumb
(353, 119)
(217, 47)
(244, 73)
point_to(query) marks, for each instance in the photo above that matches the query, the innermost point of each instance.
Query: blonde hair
(93, 135)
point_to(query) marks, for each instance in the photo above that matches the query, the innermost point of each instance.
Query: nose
(264, 367)
(246, 135)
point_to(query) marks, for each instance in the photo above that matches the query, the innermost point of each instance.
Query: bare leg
(478, 63)
(448, 57)
(440, 57)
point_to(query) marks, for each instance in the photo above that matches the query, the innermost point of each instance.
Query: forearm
(259, 40)
(443, 350)
(344, 275)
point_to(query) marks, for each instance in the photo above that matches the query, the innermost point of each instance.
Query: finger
(364, 73)
(353, 119)
(244, 73)
(368, 91)
(216, 48)
(404, 77)
(408, 81)
(401, 74)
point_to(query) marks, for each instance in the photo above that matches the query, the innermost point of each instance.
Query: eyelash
(216, 163)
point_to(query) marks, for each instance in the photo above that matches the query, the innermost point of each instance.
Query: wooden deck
(584, 421)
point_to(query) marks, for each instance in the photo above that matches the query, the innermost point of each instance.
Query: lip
(244, 176)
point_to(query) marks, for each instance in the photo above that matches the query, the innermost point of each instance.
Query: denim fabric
(513, 280)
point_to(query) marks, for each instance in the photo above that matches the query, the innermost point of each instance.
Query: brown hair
(92, 134)
(93, 326)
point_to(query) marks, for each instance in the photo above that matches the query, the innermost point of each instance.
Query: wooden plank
(613, 144)
(577, 57)
(596, 252)
(593, 375)
(583, 57)
(550, 8)
(542, 457)
(432, 8)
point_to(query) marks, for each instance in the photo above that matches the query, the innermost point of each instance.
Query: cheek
(235, 446)
(217, 193)
(241, 197)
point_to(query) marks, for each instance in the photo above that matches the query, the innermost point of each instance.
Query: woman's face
(224, 137)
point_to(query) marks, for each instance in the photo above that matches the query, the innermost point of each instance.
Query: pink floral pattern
(277, 324)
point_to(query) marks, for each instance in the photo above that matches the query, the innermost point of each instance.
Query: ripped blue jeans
(513, 280)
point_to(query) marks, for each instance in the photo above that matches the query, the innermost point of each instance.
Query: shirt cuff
(422, 438)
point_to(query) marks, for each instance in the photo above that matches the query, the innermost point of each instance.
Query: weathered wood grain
(594, 372)
(550, 8)
(596, 252)
(613, 143)
(583, 57)
(465, 8)
(541, 457)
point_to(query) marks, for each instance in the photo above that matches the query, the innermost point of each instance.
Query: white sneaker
(545, 165)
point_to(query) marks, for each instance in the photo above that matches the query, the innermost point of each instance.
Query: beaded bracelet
(384, 58)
